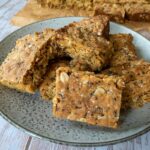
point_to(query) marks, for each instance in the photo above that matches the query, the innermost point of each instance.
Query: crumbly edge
(20, 86)
(126, 49)
(40, 63)
(47, 88)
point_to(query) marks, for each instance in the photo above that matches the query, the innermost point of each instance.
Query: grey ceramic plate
(33, 115)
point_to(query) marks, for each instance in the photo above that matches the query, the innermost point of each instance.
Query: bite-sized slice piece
(85, 42)
(87, 97)
(137, 12)
(124, 49)
(25, 65)
(47, 88)
(116, 12)
(137, 89)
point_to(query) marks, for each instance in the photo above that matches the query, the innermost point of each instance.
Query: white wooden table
(14, 139)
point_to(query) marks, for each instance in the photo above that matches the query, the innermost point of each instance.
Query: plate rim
(96, 144)
(34, 134)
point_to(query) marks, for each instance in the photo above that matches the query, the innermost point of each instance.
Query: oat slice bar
(86, 97)
(47, 88)
(25, 65)
(85, 42)
(138, 12)
(124, 49)
(116, 12)
(137, 90)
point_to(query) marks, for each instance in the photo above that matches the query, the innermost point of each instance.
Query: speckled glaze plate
(34, 116)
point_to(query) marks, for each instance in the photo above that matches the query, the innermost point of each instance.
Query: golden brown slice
(86, 97)
(124, 49)
(85, 42)
(138, 12)
(137, 89)
(83, 4)
(47, 88)
(25, 65)
(116, 12)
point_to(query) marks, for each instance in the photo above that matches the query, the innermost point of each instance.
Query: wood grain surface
(14, 139)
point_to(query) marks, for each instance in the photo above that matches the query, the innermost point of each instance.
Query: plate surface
(33, 115)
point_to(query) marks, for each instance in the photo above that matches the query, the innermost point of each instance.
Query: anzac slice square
(25, 65)
(87, 97)
(137, 90)
(86, 43)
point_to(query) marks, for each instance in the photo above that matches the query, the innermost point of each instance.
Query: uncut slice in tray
(84, 4)
(86, 97)
(25, 66)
